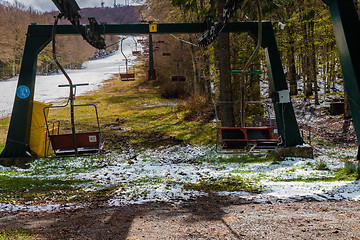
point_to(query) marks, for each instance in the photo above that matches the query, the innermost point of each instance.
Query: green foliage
(321, 165)
(228, 184)
(196, 109)
(17, 234)
(337, 175)
(273, 156)
(242, 158)
(203, 8)
(28, 189)
(351, 172)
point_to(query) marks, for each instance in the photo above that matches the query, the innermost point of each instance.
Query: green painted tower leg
(285, 116)
(151, 59)
(346, 25)
(17, 142)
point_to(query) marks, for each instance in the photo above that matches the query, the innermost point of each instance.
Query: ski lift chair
(83, 142)
(136, 52)
(126, 76)
(246, 139)
(178, 77)
(166, 52)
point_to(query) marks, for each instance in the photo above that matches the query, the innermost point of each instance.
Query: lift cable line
(113, 44)
(182, 40)
(247, 65)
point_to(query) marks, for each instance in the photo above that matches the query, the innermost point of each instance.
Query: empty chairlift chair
(75, 143)
(136, 52)
(178, 77)
(246, 139)
(126, 75)
(166, 52)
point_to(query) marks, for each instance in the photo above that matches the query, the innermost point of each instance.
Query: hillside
(121, 15)
(16, 19)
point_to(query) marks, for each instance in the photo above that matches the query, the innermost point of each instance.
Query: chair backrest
(178, 78)
(65, 141)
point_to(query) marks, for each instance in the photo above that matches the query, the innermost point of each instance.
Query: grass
(133, 115)
(17, 234)
(338, 175)
(228, 184)
(322, 166)
(139, 107)
(240, 158)
(4, 124)
(25, 189)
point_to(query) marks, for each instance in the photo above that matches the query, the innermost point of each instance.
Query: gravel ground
(205, 218)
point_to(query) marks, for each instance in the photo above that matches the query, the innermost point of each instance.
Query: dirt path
(206, 218)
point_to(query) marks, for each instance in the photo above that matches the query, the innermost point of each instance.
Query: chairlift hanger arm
(214, 29)
(231, 6)
(70, 10)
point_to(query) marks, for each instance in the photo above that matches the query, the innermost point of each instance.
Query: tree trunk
(207, 81)
(307, 64)
(255, 111)
(291, 71)
(327, 70)
(223, 59)
(347, 110)
(196, 71)
(313, 63)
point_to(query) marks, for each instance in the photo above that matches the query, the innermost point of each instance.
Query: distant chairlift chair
(126, 76)
(178, 77)
(166, 53)
(136, 52)
(83, 142)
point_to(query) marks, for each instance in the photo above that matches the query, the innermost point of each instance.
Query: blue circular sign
(23, 92)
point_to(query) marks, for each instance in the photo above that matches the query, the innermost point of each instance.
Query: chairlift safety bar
(241, 71)
(74, 85)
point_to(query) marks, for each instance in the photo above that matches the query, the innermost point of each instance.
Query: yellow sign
(152, 27)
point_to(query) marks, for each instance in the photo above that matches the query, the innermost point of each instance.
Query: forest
(303, 32)
(304, 35)
(165, 172)
(72, 51)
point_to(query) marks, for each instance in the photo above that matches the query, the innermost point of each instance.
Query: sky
(48, 5)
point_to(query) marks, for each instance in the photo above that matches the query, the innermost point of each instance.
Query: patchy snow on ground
(160, 176)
